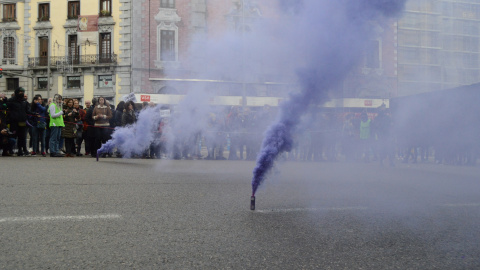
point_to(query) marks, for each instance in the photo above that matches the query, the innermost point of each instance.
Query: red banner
(145, 98)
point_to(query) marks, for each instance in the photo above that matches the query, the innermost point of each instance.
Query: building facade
(161, 40)
(143, 47)
(438, 45)
(45, 46)
(161, 43)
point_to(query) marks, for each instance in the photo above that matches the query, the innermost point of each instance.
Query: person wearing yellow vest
(56, 124)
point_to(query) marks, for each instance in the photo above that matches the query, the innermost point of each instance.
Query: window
(73, 82)
(44, 12)
(167, 4)
(105, 7)
(8, 50)
(105, 81)
(42, 83)
(73, 9)
(372, 59)
(9, 12)
(12, 84)
(73, 50)
(43, 50)
(105, 47)
(167, 50)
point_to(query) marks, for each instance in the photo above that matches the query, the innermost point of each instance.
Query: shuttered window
(9, 12)
(44, 12)
(73, 9)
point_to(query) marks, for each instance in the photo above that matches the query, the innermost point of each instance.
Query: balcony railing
(9, 61)
(79, 60)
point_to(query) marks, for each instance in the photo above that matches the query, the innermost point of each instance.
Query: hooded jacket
(18, 108)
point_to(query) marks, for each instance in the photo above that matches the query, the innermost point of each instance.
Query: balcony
(9, 61)
(80, 60)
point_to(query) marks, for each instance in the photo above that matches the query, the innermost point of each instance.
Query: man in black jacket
(90, 130)
(17, 113)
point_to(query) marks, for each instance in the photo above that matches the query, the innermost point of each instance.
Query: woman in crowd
(119, 113)
(80, 127)
(39, 125)
(69, 131)
(101, 115)
(129, 117)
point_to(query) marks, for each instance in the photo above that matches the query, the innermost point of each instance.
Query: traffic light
(1, 72)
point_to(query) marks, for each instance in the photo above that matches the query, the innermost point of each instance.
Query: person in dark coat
(79, 126)
(7, 140)
(383, 127)
(119, 113)
(91, 129)
(70, 116)
(39, 125)
(129, 116)
(17, 114)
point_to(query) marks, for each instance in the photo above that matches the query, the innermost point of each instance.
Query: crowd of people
(61, 126)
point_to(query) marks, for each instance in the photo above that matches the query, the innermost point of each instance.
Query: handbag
(41, 125)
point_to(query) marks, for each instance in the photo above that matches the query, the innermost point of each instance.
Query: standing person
(129, 116)
(69, 130)
(80, 127)
(348, 137)
(365, 135)
(6, 138)
(232, 126)
(90, 142)
(47, 120)
(39, 125)
(119, 113)
(88, 105)
(30, 119)
(56, 125)
(118, 119)
(101, 115)
(383, 127)
(18, 110)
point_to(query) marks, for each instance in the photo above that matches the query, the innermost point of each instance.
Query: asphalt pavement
(76, 213)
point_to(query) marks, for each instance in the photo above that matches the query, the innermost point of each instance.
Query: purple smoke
(327, 53)
(135, 139)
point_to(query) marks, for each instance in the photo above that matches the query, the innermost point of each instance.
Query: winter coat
(118, 118)
(101, 115)
(41, 116)
(81, 120)
(18, 110)
(90, 122)
(3, 110)
(128, 118)
(69, 131)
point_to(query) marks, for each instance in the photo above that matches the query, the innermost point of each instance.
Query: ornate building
(438, 45)
(44, 46)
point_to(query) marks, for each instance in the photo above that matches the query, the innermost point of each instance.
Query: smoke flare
(135, 139)
(329, 53)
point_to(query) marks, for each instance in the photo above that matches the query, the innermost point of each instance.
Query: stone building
(79, 49)
(438, 45)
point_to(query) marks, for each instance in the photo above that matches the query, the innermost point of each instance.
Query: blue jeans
(55, 137)
(36, 133)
